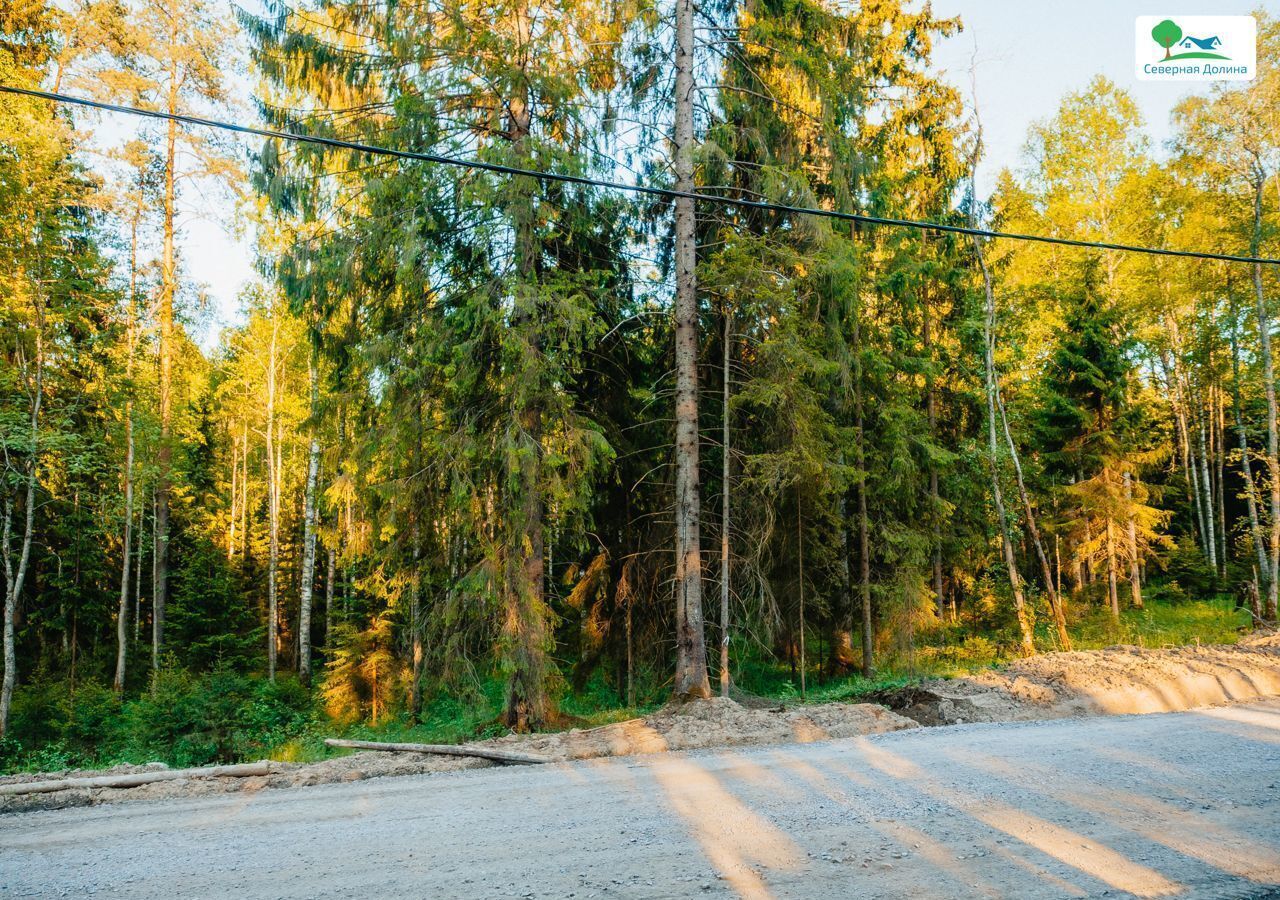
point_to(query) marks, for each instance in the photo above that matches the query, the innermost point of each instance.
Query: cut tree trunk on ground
(136, 779)
(500, 756)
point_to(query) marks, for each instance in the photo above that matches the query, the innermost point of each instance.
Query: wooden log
(134, 779)
(498, 756)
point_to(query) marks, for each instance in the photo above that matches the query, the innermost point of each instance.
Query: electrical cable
(667, 193)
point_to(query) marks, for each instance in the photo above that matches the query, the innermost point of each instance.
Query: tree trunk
(525, 629)
(137, 576)
(989, 366)
(492, 753)
(15, 575)
(244, 490)
(415, 589)
(1057, 564)
(724, 514)
(1006, 536)
(1135, 579)
(1246, 468)
(841, 657)
(309, 529)
(931, 411)
(168, 292)
(1112, 592)
(122, 614)
(1077, 561)
(1210, 539)
(232, 516)
(1055, 601)
(415, 629)
(330, 572)
(279, 478)
(1173, 375)
(864, 537)
(1219, 432)
(1087, 566)
(631, 683)
(691, 653)
(1193, 484)
(273, 505)
(1269, 384)
(800, 587)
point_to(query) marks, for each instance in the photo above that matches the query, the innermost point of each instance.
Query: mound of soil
(1113, 681)
(717, 722)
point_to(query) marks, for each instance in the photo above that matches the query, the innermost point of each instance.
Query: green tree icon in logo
(1166, 34)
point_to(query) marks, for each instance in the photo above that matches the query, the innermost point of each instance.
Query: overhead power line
(667, 193)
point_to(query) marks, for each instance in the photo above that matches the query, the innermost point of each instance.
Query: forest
(487, 451)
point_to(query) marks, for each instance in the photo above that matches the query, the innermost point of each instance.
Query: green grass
(454, 720)
(1198, 54)
(955, 650)
(1215, 621)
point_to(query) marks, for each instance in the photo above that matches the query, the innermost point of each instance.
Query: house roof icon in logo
(1209, 43)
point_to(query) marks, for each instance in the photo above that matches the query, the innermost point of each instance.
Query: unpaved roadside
(1051, 686)
(711, 723)
(1182, 804)
(1115, 681)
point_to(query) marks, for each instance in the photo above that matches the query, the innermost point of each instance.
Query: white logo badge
(1195, 48)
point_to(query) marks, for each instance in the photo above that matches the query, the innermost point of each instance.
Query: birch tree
(182, 50)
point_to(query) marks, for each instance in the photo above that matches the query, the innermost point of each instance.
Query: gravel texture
(1183, 804)
(1114, 681)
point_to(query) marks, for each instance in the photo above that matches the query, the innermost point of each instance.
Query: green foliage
(364, 679)
(1189, 574)
(209, 621)
(1166, 624)
(1166, 34)
(182, 719)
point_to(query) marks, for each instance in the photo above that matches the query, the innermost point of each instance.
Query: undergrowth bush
(183, 719)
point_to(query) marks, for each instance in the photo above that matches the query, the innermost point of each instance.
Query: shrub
(183, 719)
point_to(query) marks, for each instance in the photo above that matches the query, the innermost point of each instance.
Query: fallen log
(499, 756)
(134, 779)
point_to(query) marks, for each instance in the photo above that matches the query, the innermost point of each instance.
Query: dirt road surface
(1178, 804)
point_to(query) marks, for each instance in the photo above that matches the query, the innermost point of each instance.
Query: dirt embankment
(1114, 681)
(1058, 685)
(709, 723)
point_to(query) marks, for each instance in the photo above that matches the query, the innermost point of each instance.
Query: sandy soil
(1113, 681)
(711, 723)
(1169, 805)
(1052, 686)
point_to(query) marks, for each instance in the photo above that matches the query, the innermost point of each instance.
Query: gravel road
(1184, 804)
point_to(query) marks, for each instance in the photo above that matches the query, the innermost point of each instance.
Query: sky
(1029, 54)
